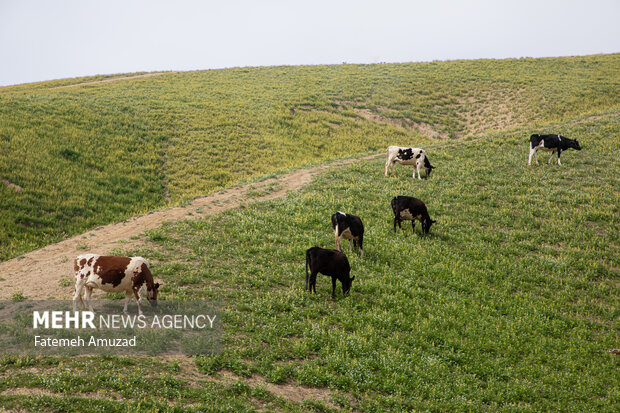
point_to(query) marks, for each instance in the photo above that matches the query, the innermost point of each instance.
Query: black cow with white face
(332, 263)
(349, 227)
(550, 143)
(407, 208)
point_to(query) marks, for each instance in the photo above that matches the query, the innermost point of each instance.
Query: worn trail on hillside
(38, 274)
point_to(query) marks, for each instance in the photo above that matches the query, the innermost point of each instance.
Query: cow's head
(574, 144)
(429, 168)
(346, 285)
(151, 294)
(426, 224)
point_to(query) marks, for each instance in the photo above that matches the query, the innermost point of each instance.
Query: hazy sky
(46, 39)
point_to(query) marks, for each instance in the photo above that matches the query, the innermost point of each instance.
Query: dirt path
(113, 79)
(51, 264)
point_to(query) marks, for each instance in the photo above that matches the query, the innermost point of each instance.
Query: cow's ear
(433, 221)
(352, 278)
(156, 286)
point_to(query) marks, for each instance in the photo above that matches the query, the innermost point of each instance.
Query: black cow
(332, 263)
(553, 143)
(349, 227)
(410, 208)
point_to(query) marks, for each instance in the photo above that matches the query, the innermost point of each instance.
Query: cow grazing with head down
(349, 227)
(407, 208)
(114, 274)
(332, 263)
(550, 143)
(408, 156)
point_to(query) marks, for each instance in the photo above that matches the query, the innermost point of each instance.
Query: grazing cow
(332, 263)
(410, 208)
(114, 274)
(349, 227)
(408, 156)
(553, 143)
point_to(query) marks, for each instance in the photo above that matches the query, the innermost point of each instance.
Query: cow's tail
(336, 238)
(307, 263)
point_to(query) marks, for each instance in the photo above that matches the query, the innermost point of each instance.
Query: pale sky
(47, 39)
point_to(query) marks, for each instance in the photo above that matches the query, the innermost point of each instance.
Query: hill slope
(74, 158)
(510, 303)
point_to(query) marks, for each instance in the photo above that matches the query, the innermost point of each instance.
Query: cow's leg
(337, 239)
(127, 299)
(88, 291)
(550, 158)
(139, 300)
(392, 167)
(395, 221)
(79, 286)
(559, 152)
(417, 168)
(313, 281)
(389, 165)
(333, 287)
(532, 153)
(413, 225)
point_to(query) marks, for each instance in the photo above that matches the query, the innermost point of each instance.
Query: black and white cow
(332, 263)
(349, 227)
(407, 208)
(553, 143)
(408, 156)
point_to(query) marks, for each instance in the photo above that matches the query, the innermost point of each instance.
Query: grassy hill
(72, 158)
(509, 304)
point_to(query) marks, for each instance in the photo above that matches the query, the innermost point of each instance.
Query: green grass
(509, 304)
(101, 153)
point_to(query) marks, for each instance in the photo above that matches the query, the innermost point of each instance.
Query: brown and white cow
(114, 274)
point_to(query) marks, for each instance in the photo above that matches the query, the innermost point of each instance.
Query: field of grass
(75, 158)
(509, 304)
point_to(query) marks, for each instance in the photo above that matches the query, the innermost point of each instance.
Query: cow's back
(110, 273)
(393, 151)
(414, 205)
(348, 221)
(328, 262)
